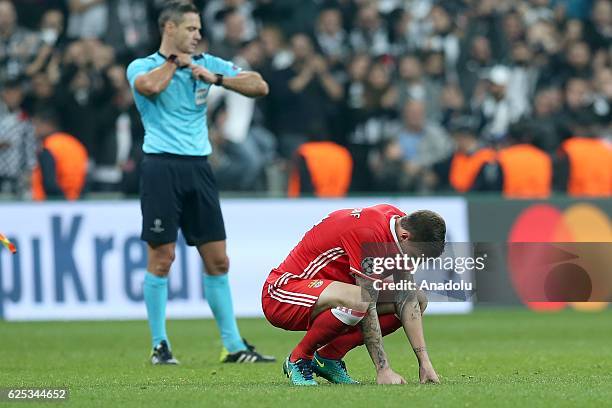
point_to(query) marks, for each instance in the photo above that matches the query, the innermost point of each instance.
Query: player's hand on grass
(427, 374)
(388, 376)
(199, 72)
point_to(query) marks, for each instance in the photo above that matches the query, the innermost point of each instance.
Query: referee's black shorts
(179, 192)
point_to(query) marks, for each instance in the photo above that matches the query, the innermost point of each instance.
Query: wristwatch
(173, 59)
(219, 81)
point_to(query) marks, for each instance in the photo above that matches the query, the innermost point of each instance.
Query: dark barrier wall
(494, 222)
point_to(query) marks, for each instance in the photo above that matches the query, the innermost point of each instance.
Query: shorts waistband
(175, 156)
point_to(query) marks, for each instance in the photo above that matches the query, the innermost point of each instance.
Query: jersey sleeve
(136, 68)
(353, 242)
(218, 65)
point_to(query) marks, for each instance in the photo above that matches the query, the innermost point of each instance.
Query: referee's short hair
(173, 11)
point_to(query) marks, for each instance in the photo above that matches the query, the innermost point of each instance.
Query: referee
(177, 188)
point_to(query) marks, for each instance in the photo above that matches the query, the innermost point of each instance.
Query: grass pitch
(501, 357)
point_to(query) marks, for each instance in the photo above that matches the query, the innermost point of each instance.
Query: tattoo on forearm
(372, 338)
(402, 298)
(368, 286)
(418, 350)
(416, 311)
(370, 327)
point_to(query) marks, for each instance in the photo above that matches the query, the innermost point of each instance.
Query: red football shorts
(290, 305)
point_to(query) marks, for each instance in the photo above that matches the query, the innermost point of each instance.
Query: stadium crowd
(390, 95)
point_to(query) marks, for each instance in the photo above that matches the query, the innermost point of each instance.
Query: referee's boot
(161, 354)
(250, 355)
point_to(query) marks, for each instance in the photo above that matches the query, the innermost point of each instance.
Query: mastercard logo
(570, 274)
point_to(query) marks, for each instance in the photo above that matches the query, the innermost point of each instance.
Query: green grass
(491, 357)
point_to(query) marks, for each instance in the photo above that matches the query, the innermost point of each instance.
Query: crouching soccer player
(321, 288)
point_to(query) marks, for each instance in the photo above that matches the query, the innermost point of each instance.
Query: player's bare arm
(248, 83)
(158, 79)
(408, 308)
(372, 338)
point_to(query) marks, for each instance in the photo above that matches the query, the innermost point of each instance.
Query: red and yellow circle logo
(586, 266)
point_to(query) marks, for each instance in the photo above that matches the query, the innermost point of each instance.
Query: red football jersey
(332, 248)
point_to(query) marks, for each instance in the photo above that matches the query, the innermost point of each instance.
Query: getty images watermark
(501, 271)
(383, 267)
(448, 277)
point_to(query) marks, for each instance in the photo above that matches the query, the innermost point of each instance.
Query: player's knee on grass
(217, 265)
(160, 260)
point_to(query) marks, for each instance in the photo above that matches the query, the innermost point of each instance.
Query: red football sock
(337, 348)
(324, 329)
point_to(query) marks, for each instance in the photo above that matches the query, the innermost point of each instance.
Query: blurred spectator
(547, 119)
(578, 59)
(216, 12)
(602, 97)
(573, 32)
(331, 37)
(61, 170)
(51, 43)
(423, 143)
(497, 108)
(118, 137)
(88, 19)
(18, 46)
(417, 146)
(583, 165)
(410, 84)
(513, 30)
(355, 86)
(451, 103)
(302, 96)
(538, 10)
(277, 54)
(30, 12)
(83, 89)
(403, 38)
(41, 94)
(128, 29)
(17, 143)
(471, 165)
(523, 78)
(369, 34)
(598, 30)
(242, 146)
(320, 168)
(371, 120)
(234, 35)
(475, 62)
(578, 100)
(443, 40)
(435, 80)
(526, 171)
